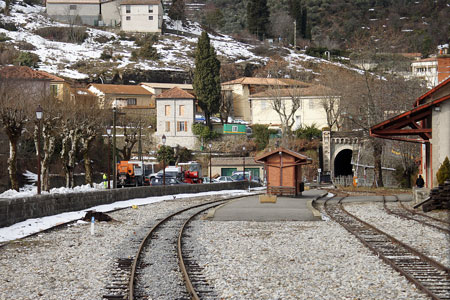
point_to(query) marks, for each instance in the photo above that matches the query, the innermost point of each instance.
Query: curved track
(162, 268)
(427, 274)
(402, 211)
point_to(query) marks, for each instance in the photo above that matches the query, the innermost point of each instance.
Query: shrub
(22, 45)
(102, 39)
(4, 37)
(106, 54)
(27, 59)
(8, 26)
(70, 34)
(443, 173)
(204, 132)
(33, 2)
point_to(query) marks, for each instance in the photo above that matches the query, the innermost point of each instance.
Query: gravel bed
(292, 260)
(70, 263)
(427, 240)
(242, 260)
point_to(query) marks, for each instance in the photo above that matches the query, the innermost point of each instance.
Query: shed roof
(22, 72)
(175, 93)
(122, 89)
(74, 1)
(303, 159)
(52, 77)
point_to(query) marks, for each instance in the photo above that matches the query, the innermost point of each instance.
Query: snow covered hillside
(176, 52)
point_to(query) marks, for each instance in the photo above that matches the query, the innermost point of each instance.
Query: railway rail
(404, 212)
(130, 280)
(427, 274)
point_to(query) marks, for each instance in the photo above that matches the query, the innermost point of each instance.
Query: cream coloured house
(141, 15)
(311, 109)
(73, 11)
(175, 111)
(243, 88)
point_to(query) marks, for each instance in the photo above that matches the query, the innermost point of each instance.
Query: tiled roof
(175, 93)
(21, 72)
(304, 159)
(265, 81)
(313, 90)
(51, 76)
(121, 89)
(426, 59)
(146, 2)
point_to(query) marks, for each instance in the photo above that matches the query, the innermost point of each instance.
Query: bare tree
(226, 106)
(131, 137)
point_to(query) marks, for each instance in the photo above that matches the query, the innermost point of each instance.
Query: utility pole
(114, 149)
(295, 35)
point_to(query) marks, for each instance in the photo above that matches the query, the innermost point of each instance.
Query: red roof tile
(21, 72)
(175, 93)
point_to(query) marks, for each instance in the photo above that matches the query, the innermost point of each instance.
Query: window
(150, 18)
(167, 110)
(167, 126)
(150, 9)
(181, 110)
(72, 7)
(127, 9)
(54, 90)
(311, 104)
(131, 101)
(182, 126)
(128, 18)
(234, 128)
(263, 105)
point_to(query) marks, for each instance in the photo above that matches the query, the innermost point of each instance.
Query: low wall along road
(19, 209)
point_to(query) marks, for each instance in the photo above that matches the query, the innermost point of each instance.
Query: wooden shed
(283, 171)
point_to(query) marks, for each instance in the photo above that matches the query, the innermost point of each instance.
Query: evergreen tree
(176, 11)
(443, 173)
(207, 78)
(258, 17)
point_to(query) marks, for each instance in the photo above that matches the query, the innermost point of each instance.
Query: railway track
(427, 274)
(402, 211)
(162, 267)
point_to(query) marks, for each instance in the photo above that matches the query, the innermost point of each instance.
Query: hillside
(390, 25)
(90, 54)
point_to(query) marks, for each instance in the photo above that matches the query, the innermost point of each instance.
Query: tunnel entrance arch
(342, 163)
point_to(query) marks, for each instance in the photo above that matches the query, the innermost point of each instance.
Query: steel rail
(154, 229)
(424, 215)
(412, 264)
(187, 280)
(415, 216)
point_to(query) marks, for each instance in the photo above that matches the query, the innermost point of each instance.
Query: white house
(311, 110)
(141, 15)
(175, 109)
(72, 11)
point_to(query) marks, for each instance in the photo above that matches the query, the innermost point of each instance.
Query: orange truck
(130, 173)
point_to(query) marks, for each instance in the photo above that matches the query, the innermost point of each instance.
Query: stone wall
(19, 209)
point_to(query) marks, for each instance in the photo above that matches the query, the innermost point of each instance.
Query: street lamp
(210, 165)
(163, 139)
(243, 160)
(39, 114)
(108, 131)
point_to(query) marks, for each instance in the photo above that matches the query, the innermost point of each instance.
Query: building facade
(86, 12)
(175, 111)
(141, 15)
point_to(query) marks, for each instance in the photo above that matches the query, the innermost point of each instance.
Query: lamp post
(108, 131)
(243, 160)
(163, 139)
(210, 165)
(39, 114)
(114, 149)
(281, 168)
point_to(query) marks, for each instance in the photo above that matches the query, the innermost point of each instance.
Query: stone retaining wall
(19, 209)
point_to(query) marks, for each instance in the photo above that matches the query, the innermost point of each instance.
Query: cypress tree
(207, 78)
(258, 17)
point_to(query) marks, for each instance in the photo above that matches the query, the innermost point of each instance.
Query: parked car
(169, 181)
(239, 175)
(223, 179)
(206, 180)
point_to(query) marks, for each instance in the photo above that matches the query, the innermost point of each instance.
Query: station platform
(284, 209)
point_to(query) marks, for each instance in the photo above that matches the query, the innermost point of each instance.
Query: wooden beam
(388, 132)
